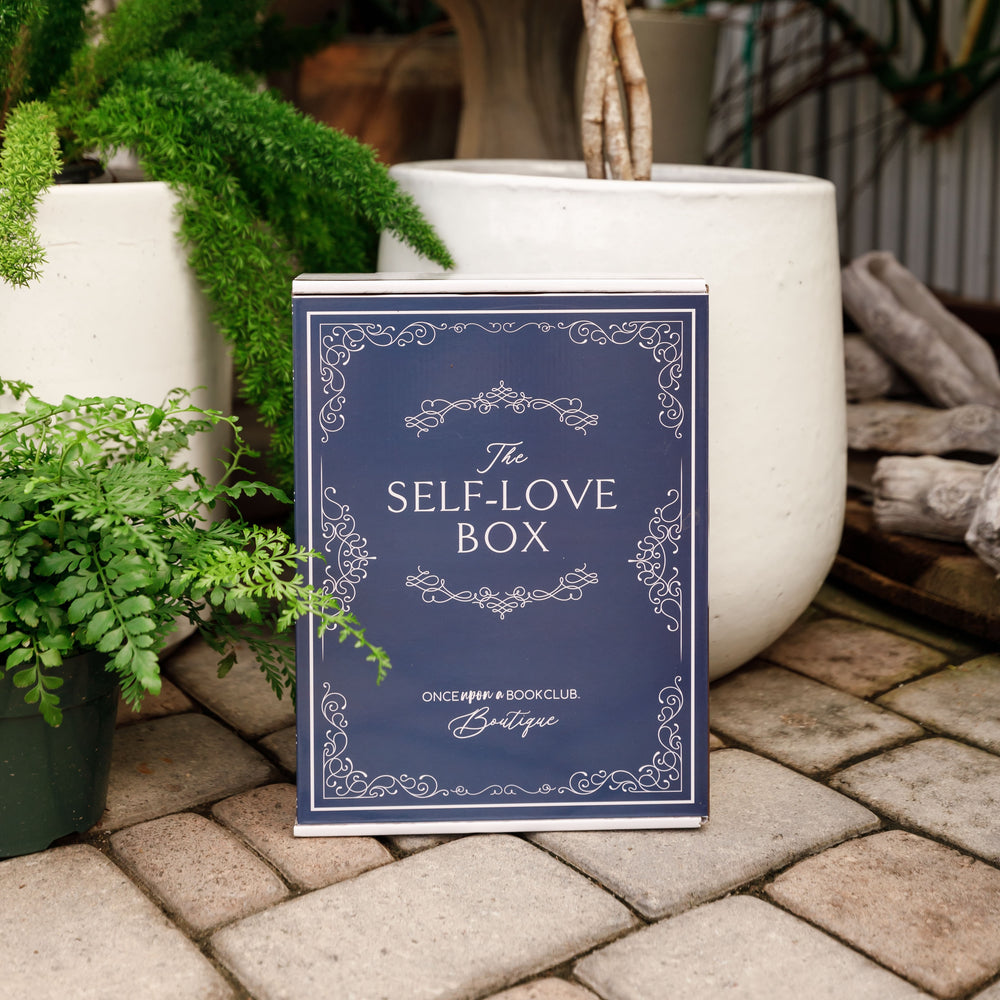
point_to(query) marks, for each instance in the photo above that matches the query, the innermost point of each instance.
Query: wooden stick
(927, 496)
(615, 141)
(908, 428)
(640, 114)
(599, 18)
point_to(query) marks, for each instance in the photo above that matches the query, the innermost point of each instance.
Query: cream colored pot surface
(117, 310)
(767, 245)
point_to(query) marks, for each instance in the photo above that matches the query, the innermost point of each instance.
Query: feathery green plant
(27, 162)
(104, 546)
(265, 191)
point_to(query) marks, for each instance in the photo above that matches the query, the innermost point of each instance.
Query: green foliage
(104, 545)
(28, 159)
(59, 33)
(15, 16)
(240, 36)
(266, 192)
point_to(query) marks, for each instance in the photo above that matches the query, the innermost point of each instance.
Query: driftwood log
(905, 327)
(947, 359)
(868, 375)
(911, 429)
(927, 496)
(983, 536)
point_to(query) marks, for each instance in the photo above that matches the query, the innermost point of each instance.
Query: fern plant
(104, 545)
(265, 192)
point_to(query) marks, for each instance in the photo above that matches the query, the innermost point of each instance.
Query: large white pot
(117, 310)
(767, 244)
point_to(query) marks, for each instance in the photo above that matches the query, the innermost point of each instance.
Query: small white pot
(117, 310)
(767, 244)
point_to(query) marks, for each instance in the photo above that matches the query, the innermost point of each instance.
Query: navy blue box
(506, 479)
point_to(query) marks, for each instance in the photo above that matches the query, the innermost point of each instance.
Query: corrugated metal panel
(933, 202)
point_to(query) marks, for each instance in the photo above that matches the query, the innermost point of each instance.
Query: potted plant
(767, 245)
(263, 192)
(103, 545)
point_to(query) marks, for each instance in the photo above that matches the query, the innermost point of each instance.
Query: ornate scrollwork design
(342, 780)
(339, 341)
(434, 590)
(662, 774)
(652, 560)
(347, 551)
(433, 411)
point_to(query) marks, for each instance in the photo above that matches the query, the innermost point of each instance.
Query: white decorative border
(434, 591)
(433, 411)
(343, 781)
(348, 550)
(653, 562)
(338, 341)
(664, 340)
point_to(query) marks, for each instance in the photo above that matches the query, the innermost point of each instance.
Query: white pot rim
(694, 179)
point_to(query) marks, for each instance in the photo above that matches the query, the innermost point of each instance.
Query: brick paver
(839, 601)
(265, 817)
(201, 872)
(807, 725)
(171, 764)
(763, 816)
(963, 701)
(944, 788)
(852, 656)
(924, 910)
(411, 843)
(72, 925)
(282, 746)
(243, 698)
(454, 922)
(737, 947)
(169, 701)
(197, 844)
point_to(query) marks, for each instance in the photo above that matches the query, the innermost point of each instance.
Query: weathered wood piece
(640, 112)
(599, 18)
(911, 429)
(604, 129)
(983, 536)
(947, 359)
(869, 375)
(927, 496)
(616, 149)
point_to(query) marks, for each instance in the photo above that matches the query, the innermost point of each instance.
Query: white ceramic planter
(117, 310)
(767, 244)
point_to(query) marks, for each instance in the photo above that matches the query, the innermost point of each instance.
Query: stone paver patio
(853, 851)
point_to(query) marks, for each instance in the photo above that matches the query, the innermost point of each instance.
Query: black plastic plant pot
(54, 780)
